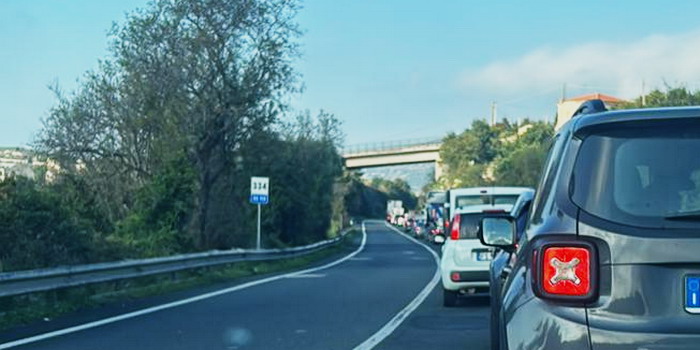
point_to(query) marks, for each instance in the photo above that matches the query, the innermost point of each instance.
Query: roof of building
(596, 96)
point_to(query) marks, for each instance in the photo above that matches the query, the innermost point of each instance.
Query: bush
(39, 229)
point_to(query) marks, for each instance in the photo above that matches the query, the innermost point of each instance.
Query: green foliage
(361, 200)
(156, 225)
(397, 189)
(502, 155)
(477, 145)
(157, 145)
(368, 199)
(38, 228)
(522, 167)
(672, 96)
(304, 176)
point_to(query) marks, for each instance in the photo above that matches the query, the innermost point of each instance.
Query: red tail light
(566, 271)
(454, 233)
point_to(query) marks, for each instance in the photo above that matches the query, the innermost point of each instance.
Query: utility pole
(563, 92)
(493, 113)
(644, 93)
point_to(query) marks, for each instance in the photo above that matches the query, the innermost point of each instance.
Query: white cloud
(615, 68)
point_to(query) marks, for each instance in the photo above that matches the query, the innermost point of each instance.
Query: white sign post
(259, 194)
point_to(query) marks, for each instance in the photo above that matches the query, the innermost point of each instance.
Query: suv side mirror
(497, 231)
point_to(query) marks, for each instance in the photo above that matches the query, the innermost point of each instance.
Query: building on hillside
(567, 108)
(24, 163)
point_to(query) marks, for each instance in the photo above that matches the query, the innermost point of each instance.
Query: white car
(464, 265)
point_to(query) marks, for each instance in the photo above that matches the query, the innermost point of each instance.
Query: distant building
(566, 108)
(24, 163)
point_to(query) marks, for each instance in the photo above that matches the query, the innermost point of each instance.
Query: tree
(39, 229)
(192, 78)
(501, 155)
(672, 96)
(522, 160)
(466, 156)
(397, 189)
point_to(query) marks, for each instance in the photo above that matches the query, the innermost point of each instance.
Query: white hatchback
(464, 265)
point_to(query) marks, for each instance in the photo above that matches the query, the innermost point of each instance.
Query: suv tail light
(454, 233)
(566, 271)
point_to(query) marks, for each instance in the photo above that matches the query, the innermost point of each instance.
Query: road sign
(259, 190)
(259, 199)
(259, 194)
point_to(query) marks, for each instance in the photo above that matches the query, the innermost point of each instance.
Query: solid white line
(153, 309)
(396, 321)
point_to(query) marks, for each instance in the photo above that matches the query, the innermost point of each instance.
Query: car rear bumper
(615, 340)
(537, 324)
(469, 280)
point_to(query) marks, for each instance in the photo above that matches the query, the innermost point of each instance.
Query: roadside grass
(25, 309)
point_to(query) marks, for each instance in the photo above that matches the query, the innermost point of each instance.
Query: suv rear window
(644, 177)
(485, 199)
(469, 225)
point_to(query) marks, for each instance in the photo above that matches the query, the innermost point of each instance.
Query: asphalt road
(381, 296)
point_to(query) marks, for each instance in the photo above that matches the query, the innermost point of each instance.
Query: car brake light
(565, 269)
(455, 277)
(454, 233)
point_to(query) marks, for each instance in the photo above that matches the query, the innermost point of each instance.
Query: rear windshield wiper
(687, 216)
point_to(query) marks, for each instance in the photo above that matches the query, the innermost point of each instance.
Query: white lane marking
(309, 275)
(396, 321)
(409, 252)
(361, 258)
(170, 305)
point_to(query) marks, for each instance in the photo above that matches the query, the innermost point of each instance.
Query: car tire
(449, 298)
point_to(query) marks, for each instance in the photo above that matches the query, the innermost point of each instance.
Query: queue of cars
(609, 258)
(464, 264)
(606, 254)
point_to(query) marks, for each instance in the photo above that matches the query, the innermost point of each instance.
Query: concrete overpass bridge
(394, 153)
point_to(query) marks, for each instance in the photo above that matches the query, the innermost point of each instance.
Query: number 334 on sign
(259, 190)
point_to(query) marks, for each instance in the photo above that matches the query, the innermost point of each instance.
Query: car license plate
(692, 294)
(483, 256)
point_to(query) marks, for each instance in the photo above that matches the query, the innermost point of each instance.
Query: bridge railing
(389, 145)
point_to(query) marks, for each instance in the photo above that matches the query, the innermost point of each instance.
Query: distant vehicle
(458, 198)
(394, 207)
(436, 211)
(609, 258)
(419, 230)
(464, 265)
(498, 270)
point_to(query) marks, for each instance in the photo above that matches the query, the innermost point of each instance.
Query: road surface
(385, 295)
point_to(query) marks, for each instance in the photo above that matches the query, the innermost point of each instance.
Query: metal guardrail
(31, 281)
(389, 145)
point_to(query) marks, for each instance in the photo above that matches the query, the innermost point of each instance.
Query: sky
(392, 69)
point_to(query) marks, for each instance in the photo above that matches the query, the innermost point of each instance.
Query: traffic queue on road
(603, 256)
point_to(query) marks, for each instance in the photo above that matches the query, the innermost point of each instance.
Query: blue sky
(396, 69)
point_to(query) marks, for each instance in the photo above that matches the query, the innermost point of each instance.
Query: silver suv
(611, 255)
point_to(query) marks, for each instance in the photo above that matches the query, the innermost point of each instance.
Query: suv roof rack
(590, 107)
